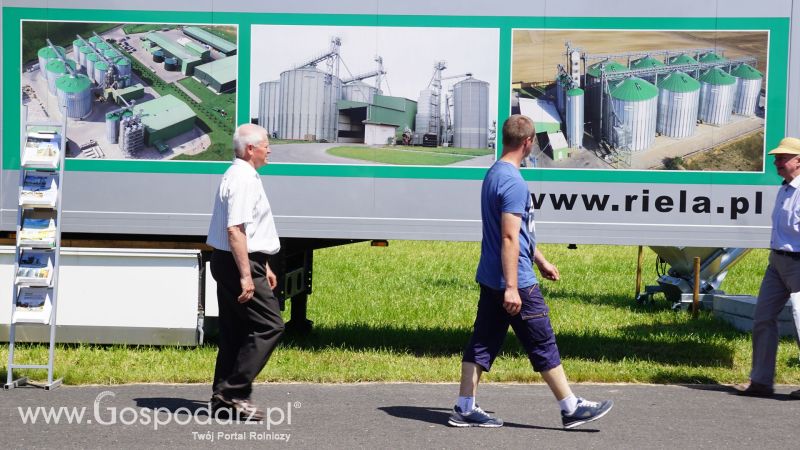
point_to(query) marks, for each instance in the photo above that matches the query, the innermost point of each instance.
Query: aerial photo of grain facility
(133, 91)
(643, 99)
(360, 95)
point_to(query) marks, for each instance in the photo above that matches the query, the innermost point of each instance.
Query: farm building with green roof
(164, 118)
(222, 45)
(219, 75)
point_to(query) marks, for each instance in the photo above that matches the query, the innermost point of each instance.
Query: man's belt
(794, 255)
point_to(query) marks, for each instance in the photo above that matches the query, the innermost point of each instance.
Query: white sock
(568, 404)
(466, 404)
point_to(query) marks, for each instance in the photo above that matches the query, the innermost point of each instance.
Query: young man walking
(510, 292)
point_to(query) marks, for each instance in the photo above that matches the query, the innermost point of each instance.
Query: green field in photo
(424, 156)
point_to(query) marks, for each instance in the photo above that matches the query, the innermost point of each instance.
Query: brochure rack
(38, 232)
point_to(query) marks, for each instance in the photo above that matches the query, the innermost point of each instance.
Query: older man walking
(782, 277)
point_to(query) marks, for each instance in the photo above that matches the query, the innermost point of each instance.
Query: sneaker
(586, 412)
(475, 418)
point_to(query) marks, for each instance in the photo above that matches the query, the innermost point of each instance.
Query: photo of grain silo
(644, 100)
(133, 91)
(376, 95)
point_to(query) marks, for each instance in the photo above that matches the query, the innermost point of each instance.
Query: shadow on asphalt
(729, 390)
(174, 405)
(439, 416)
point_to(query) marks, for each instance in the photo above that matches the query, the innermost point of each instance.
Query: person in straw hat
(782, 278)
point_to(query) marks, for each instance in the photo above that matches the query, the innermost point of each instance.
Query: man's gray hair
(247, 134)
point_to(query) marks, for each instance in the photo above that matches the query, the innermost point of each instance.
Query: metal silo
(76, 48)
(647, 62)
(268, 102)
(678, 100)
(102, 47)
(574, 113)
(562, 84)
(595, 93)
(83, 52)
(94, 40)
(158, 56)
(171, 64)
(112, 126)
(303, 111)
(45, 54)
(634, 102)
(426, 104)
(711, 57)
(123, 65)
(55, 69)
(683, 58)
(358, 91)
(717, 91)
(111, 54)
(471, 114)
(100, 69)
(91, 60)
(75, 93)
(748, 88)
(330, 111)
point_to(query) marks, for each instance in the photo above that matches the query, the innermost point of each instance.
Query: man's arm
(547, 269)
(237, 239)
(509, 256)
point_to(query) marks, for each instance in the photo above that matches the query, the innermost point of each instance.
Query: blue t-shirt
(505, 191)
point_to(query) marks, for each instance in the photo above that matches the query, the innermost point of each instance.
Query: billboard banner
(652, 127)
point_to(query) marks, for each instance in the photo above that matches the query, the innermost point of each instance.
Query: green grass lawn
(134, 28)
(208, 98)
(388, 155)
(224, 31)
(446, 150)
(404, 313)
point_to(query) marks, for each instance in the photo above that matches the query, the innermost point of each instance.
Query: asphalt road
(398, 416)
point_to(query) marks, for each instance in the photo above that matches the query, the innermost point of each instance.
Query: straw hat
(788, 146)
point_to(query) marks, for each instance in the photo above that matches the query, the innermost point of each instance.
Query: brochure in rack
(37, 231)
(39, 189)
(41, 150)
(34, 305)
(35, 268)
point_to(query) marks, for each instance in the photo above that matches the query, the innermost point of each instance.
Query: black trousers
(248, 332)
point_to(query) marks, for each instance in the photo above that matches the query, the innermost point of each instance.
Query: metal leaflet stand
(11, 383)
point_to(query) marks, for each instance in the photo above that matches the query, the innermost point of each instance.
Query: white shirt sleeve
(240, 203)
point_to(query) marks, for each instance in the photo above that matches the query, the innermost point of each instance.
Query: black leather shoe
(217, 403)
(246, 411)
(795, 394)
(239, 409)
(753, 389)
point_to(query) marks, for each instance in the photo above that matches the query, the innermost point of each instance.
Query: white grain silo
(574, 114)
(634, 103)
(75, 92)
(678, 101)
(748, 89)
(268, 102)
(307, 108)
(717, 92)
(471, 114)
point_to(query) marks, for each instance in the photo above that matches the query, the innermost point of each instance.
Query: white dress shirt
(241, 200)
(786, 218)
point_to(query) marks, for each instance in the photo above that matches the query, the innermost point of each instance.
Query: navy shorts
(531, 325)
